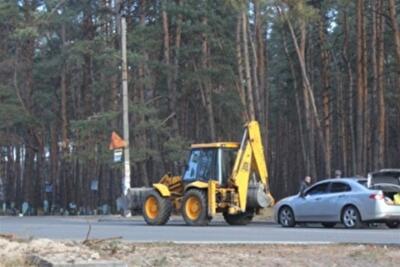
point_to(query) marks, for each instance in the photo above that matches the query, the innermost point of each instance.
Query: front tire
(393, 224)
(286, 217)
(351, 217)
(156, 209)
(194, 208)
(242, 218)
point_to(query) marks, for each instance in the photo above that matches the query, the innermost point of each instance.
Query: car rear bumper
(384, 212)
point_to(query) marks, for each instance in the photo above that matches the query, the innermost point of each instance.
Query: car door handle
(318, 198)
(341, 196)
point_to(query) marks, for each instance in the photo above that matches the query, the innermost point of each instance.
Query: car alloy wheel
(351, 217)
(286, 217)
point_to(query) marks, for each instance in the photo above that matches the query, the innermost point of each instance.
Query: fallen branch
(88, 232)
(97, 241)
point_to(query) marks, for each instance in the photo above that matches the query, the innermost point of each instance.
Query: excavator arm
(250, 161)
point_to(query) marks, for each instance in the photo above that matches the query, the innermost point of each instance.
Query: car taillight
(376, 196)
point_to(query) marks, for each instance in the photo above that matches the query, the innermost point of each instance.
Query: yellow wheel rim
(193, 208)
(151, 207)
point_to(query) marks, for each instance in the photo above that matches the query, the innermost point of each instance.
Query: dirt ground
(17, 252)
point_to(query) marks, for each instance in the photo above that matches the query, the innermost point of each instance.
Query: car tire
(328, 224)
(286, 217)
(351, 217)
(393, 224)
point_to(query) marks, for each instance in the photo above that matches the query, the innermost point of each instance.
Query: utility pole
(125, 109)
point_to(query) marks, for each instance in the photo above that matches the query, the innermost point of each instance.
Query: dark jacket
(303, 187)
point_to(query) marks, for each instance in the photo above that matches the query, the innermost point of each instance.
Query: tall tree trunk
(380, 85)
(366, 129)
(310, 103)
(54, 174)
(239, 58)
(178, 38)
(19, 177)
(87, 81)
(64, 114)
(262, 63)
(350, 97)
(396, 37)
(39, 169)
(167, 61)
(298, 107)
(142, 141)
(249, 86)
(207, 83)
(360, 87)
(26, 61)
(64, 119)
(374, 85)
(325, 79)
(254, 69)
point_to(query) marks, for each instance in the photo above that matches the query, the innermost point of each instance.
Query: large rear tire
(194, 208)
(242, 218)
(156, 209)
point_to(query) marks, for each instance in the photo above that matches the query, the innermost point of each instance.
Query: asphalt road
(135, 229)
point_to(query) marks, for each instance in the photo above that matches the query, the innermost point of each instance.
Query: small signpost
(117, 144)
(118, 155)
(120, 148)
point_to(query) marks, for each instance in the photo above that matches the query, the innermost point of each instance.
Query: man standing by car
(304, 185)
(338, 174)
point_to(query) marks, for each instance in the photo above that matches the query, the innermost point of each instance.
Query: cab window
(228, 157)
(201, 165)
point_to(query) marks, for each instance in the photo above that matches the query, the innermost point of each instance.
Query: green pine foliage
(34, 59)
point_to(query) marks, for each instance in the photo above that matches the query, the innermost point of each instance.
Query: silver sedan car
(346, 200)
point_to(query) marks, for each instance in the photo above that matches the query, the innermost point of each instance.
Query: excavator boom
(250, 160)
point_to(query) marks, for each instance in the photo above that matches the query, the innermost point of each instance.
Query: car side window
(338, 187)
(318, 189)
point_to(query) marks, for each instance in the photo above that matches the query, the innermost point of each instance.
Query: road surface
(134, 229)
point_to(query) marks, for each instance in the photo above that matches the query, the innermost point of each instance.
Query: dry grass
(16, 252)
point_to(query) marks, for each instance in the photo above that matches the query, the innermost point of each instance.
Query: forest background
(321, 77)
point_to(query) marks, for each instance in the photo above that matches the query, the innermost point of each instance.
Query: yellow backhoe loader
(224, 177)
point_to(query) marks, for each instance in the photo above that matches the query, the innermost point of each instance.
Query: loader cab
(212, 161)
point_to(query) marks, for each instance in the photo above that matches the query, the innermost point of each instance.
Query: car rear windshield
(386, 178)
